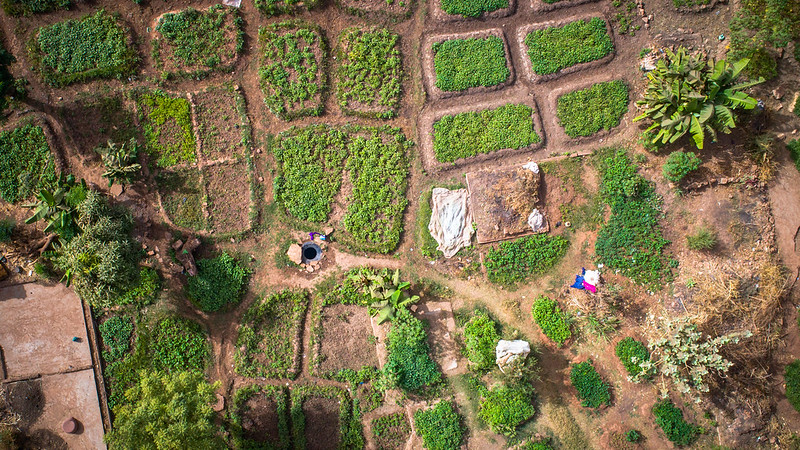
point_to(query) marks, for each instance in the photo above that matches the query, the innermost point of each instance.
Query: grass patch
(219, 282)
(276, 394)
(704, 238)
(78, 50)
(556, 48)
(167, 123)
(368, 80)
(409, 366)
(471, 8)
(391, 431)
(291, 73)
(26, 163)
(271, 327)
(514, 261)
(593, 392)
(471, 133)
(440, 427)
(671, 421)
(551, 319)
(182, 197)
(461, 64)
(572, 171)
(792, 376)
(587, 111)
(18, 8)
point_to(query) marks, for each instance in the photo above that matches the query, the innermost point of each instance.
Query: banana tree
(53, 207)
(388, 292)
(687, 95)
(120, 161)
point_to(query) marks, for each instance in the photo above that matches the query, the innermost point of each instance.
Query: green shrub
(28, 7)
(440, 427)
(505, 408)
(116, 332)
(290, 69)
(472, 8)
(160, 114)
(551, 319)
(471, 133)
(671, 421)
(26, 163)
(370, 74)
(274, 7)
(704, 238)
(219, 282)
(797, 100)
(6, 229)
(409, 366)
(78, 50)
(633, 436)
(680, 164)
(480, 340)
(9, 87)
(592, 390)
(794, 150)
(179, 344)
(587, 111)
(554, 48)
(145, 291)
(514, 261)
(461, 64)
(631, 354)
(792, 376)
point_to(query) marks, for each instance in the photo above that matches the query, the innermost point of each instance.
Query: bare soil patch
(182, 197)
(228, 190)
(542, 6)
(346, 340)
(95, 120)
(322, 423)
(260, 421)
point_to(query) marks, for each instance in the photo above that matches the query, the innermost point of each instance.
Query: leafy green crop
(592, 390)
(670, 419)
(470, 133)
(26, 163)
(555, 48)
(116, 332)
(440, 427)
(480, 340)
(290, 70)
(505, 408)
(391, 431)
(275, 7)
(167, 123)
(587, 111)
(631, 354)
(551, 319)
(179, 344)
(77, 50)
(514, 261)
(369, 77)
(461, 64)
(408, 365)
(680, 164)
(28, 7)
(219, 282)
(145, 291)
(792, 376)
(472, 8)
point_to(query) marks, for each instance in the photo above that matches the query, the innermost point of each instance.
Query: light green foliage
(116, 332)
(440, 427)
(28, 7)
(587, 111)
(537, 445)
(120, 161)
(792, 377)
(408, 365)
(178, 345)
(371, 70)
(761, 27)
(592, 390)
(290, 69)
(671, 421)
(266, 343)
(77, 50)
(461, 64)
(555, 48)
(26, 163)
(552, 320)
(480, 340)
(219, 282)
(167, 411)
(680, 164)
(200, 40)
(632, 354)
(387, 292)
(378, 168)
(687, 94)
(182, 197)
(391, 431)
(350, 434)
(310, 163)
(160, 114)
(275, 7)
(514, 261)
(470, 133)
(704, 238)
(472, 8)
(145, 292)
(794, 151)
(276, 394)
(57, 207)
(504, 408)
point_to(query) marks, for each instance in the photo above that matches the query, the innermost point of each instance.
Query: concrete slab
(68, 395)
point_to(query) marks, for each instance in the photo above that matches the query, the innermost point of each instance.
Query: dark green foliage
(78, 50)
(28, 7)
(274, 7)
(551, 319)
(276, 394)
(555, 48)
(471, 133)
(391, 431)
(505, 408)
(592, 390)
(472, 8)
(408, 365)
(26, 163)
(671, 421)
(350, 434)
(587, 111)
(219, 282)
(794, 151)
(704, 238)
(179, 344)
(480, 340)
(291, 57)
(514, 261)
(680, 4)
(370, 73)
(116, 332)
(633, 436)
(680, 164)
(145, 292)
(461, 64)
(440, 427)
(160, 114)
(792, 376)
(8, 87)
(631, 241)
(758, 29)
(630, 348)
(310, 163)
(6, 229)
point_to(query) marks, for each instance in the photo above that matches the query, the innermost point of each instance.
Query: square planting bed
(183, 197)
(228, 188)
(394, 10)
(222, 124)
(462, 10)
(260, 417)
(345, 339)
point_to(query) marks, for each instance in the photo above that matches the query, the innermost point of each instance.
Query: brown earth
(260, 422)
(322, 423)
(219, 123)
(228, 191)
(346, 343)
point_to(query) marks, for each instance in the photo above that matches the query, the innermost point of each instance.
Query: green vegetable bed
(472, 8)
(556, 48)
(461, 64)
(26, 163)
(167, 123)
(28, 7)
(514, 261)
(587, 111)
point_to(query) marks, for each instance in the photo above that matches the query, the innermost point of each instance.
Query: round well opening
(311, 252)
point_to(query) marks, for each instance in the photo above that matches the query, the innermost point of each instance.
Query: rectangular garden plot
(551, 5)
(26, 163)
(183, 197)
(321, 416)
(94, 120)
(391, 431)
(291, 69)
(466, 63)
(587, 111)
(192, 42)
(222, 123)
(228, 188)
(269, 343)
(555, 50)
(394, 10)
(167, 123)
(345, 339)
(502, 201)
(456, 10)
(274, 7)
(260, 417)
(369, 74)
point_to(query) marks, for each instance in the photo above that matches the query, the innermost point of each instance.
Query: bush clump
(461, 64)
(592, 390)
(514, 261)
(671, 421)
(440, 427)
(551, 319)
(219, 282)
(587, 111)
(409, 366)
(472, 8)
(6, 229)
(555, 48)
(632, 353)
(704, 238)
(480, 340)
(792, 376)
(680, 164)
(505, 408)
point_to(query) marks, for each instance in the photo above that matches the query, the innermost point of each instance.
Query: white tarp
(508, 353)
(451, 220)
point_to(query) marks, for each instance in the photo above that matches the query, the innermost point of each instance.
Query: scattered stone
(777, 94)
(295, 254)
(151, 253)
(177, 245)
